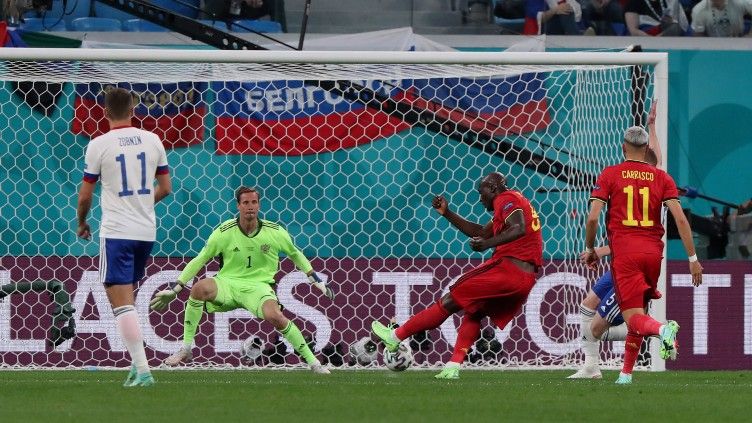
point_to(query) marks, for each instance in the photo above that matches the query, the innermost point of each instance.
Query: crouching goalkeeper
(248, 250)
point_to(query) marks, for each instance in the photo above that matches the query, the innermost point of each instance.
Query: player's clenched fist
(440, 204)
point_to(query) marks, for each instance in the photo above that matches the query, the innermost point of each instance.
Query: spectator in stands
(720, 18)
(601, 14)
(655, 17)
(561, 17)
(230, 10)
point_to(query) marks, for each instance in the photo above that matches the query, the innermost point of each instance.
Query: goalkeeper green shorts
(233, 294)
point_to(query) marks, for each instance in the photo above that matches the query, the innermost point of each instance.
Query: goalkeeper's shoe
(624, 379)
(587, 372)
(669, 346)
(320, 369)
(144, 379)
(450, 371)
(386, 335)
(184, 355)
(131, 376)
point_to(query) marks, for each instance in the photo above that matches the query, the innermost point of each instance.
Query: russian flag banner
(174, 111)
(295, 118)
(301, 118)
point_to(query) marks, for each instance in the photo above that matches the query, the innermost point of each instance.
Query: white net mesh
(347, 157)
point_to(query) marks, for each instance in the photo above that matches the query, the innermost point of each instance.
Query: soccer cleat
(131, 376)
(320, 369)
(449, 372)
(184, 355)
(385, 334)
(624, 379)
(145, 379)
(669, 346)
(587, 372)
(675, 351)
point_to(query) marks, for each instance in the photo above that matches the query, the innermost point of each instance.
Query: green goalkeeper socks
(295, 337)
(194, 309)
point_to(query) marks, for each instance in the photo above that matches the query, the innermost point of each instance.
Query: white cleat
(589, 372)
(182, 356)
(320, 369)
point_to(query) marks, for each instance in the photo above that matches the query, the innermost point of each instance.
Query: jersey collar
(258, 228)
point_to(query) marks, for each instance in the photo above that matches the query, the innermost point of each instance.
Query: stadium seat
(96, 25)
(509, 25)
(256, 25)
(141, 25)
(42, 24)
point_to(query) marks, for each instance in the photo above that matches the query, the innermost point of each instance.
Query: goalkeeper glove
(162, 298)
(321, 285)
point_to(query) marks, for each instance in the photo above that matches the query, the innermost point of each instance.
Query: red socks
(466, 336)
(631, 351)
(429, 318)
(644, 325)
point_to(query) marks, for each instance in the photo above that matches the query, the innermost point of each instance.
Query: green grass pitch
(365, 396)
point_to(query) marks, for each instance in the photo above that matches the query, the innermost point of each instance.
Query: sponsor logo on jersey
(265, 248)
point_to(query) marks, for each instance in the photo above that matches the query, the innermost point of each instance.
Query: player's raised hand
(695, 268)
(84, 231)
(440, 204)
(317, 282)
(653, 111)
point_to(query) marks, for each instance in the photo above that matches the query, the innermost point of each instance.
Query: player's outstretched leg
(194, 309)
(387, 336)
(126, 320)
(298, 342)
(669, 346)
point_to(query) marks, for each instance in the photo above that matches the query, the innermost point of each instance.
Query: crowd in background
(712, 18)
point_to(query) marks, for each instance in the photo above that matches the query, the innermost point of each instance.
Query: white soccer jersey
(126, 159)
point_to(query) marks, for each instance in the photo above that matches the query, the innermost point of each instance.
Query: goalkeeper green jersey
(253, 257)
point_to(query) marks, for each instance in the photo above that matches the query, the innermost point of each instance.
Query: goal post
(347, 149)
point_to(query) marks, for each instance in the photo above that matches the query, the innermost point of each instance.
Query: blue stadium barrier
(103, 11)
(256, 25)
(187, 8)
(219, 24)
(141, 25)
(96, 24)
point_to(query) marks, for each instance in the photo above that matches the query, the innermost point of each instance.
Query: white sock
(452, 364)
(615, 333)
(187, 345)
(588, 341)
(127, 322)
(393, 336)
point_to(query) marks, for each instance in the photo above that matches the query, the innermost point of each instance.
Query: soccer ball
(363, 352)
(251, 348)
(399, 360)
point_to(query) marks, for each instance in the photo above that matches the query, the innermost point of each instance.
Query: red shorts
(497, 289)
(636, 279)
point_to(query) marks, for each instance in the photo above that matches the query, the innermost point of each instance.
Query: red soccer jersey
(634, 193)
(528, 247)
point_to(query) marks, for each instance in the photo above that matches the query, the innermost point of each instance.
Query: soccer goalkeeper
(248, 249)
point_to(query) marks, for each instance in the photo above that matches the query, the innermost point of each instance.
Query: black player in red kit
(498, 287)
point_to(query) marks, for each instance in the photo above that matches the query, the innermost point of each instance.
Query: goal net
(348, 150)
